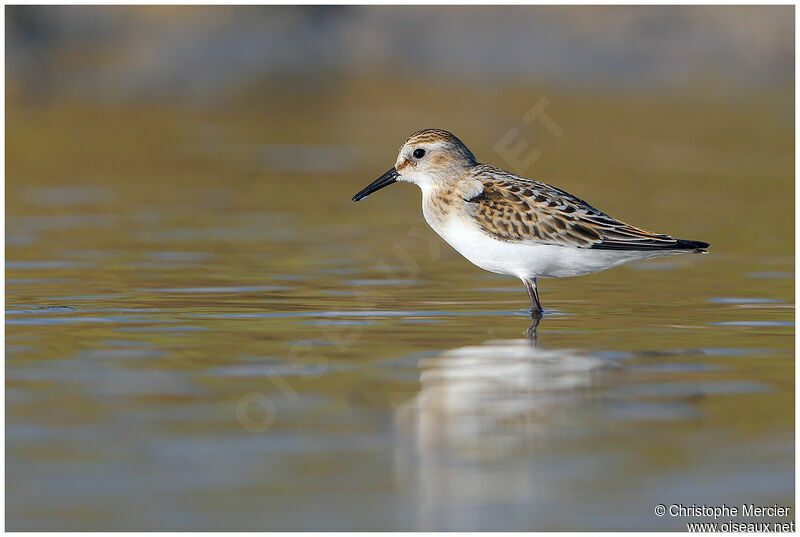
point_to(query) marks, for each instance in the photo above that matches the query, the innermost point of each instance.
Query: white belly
(527, 261)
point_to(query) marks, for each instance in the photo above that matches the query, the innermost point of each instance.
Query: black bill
(384, 180)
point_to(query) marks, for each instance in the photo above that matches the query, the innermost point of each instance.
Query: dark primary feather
(680, 244)
(512, 208)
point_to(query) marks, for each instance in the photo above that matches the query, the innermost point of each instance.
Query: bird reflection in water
(530, 332)
(468, 437)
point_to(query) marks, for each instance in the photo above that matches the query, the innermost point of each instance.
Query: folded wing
(516, 209)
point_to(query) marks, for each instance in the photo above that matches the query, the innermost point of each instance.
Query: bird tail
(695, 246)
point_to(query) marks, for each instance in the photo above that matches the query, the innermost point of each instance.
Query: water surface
(203, 332)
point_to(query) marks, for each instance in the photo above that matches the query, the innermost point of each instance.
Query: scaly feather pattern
(516, 209)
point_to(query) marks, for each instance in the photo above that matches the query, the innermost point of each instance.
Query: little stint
(511, 225)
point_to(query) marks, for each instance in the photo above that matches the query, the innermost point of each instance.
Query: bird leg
(533, 294)
(536, 309)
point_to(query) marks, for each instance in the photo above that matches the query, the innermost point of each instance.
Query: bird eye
(419, 153)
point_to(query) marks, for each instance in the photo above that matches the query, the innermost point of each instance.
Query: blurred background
(204, 332)
(184, 54)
